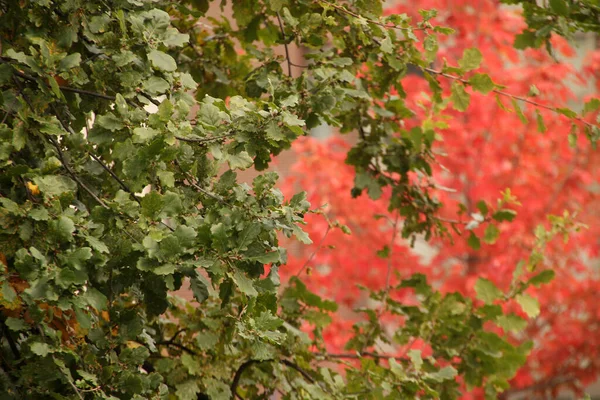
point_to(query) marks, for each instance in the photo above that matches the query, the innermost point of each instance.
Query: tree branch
(57, 147)
(506, 94)
(205, 140)
(355, 15)
(287, 51)
(238, 375)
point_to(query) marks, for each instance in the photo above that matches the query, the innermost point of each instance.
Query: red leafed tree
(490, 148)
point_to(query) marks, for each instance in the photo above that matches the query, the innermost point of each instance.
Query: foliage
(481, 153)
(123, 123)
(563, 17)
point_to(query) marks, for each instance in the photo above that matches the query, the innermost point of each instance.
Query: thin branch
(506, 94)
(238, 375)
(299, 369)
(388, 274)
(358, 356)
(287, 51)
(111, 173)
(62, 88)
(205, 140)
(10, 340)
(383, 25)
(543, 385)
(58, 149)
(87, 93)
(314, 253)
(179, 346)
(194, 184)
(66, 165)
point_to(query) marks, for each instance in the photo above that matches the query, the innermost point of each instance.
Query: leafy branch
(509, 95)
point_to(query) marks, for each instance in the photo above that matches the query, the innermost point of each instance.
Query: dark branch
(205, 140)
(115, 177)
(287, 51)
(299, 369)
(238, 375)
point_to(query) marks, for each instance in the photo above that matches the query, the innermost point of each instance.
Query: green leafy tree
(118, 119)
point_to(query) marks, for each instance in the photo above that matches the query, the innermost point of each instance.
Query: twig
(179, 346)
(388, 274)
(205, 140)
(59, 151)
(87, 93)
(63, 88)
(287, 51)
(387, 26)
(299, 369)
(506, 94)
(111, 173)
(192, 182)
(358, 356)
(319, 246)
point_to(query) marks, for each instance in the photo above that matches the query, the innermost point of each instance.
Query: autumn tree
(123, 125)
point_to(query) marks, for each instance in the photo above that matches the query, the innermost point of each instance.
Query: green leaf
(491, 234)
(386, 45)
(459, 97)
(541, 126)
(591, 105)
(55, 185)
(187, 390)
(97, 244)
(443, 374)
(471, 59)
(70, 61)
(525, 40)
(155, 85)
(109, 121)
(244, 283)
(241, 160)
(143, 135)
(162, 61)
(482, 83)
(511, 323)
(40, 349)
(152, 204)
(567, 112)
(268, 258)
(543, 277)
(473, 241)
(519, 111)
(16, 324)
(210, 114)
(301, 235)
(64, 228)
(504, 215)
(560, 7)
(39, 214)
(529, 304)
(487, 291)
(8, 293)
(199, 287)
(96, 299)
(415, 358)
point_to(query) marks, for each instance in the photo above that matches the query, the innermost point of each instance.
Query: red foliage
(488, 150)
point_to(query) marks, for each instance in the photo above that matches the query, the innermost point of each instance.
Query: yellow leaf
(33, 188)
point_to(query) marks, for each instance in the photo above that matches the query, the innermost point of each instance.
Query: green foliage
(115, 135)
(563, 17)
